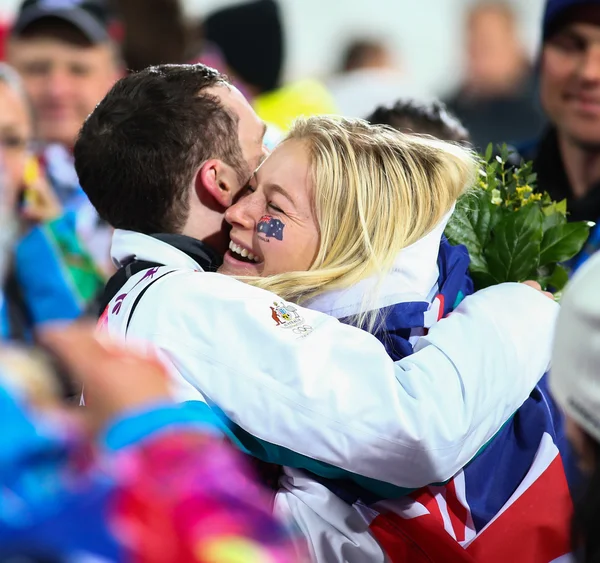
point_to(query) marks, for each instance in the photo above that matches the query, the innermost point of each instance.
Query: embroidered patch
(287, 316)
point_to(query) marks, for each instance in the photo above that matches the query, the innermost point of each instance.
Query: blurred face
(273, 228)
(64, 82)
(570, 78)
(15, 136)
(493, 48)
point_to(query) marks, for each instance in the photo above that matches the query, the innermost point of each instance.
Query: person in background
(68, 61)
(51, 277)
(566, 157)
(424, 118)
(140, 23)
(369, 75)
(575, 382)
(251, 39)
(496, 101)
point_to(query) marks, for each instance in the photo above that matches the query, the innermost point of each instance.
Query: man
(161, 158)
(496, 100)
(567, 157)
(68, 62)
(48, 244)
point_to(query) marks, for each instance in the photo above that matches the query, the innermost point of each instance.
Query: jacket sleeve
(301, 389)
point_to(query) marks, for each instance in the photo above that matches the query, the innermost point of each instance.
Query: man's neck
(582, 165)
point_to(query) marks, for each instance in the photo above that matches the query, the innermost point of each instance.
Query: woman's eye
(275, 208)
(248, 190)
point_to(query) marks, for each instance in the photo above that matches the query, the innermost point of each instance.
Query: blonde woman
(348, 218)
(331, 211)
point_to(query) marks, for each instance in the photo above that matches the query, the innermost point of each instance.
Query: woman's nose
(240, 213)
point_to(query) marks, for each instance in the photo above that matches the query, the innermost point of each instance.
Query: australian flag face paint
(270, 227)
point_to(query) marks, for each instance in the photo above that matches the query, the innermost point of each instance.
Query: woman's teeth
(242, 252)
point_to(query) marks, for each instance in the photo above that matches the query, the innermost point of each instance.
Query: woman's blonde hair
(375, 192)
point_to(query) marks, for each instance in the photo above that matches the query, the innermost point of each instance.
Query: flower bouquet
(512, 231)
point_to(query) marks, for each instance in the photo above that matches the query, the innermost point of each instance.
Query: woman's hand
(538, 287)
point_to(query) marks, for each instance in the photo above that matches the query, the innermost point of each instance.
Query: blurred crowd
(140, 148)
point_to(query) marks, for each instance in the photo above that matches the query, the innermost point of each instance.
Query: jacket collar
(177, 251)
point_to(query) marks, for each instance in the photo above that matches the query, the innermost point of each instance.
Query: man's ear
(218, 180)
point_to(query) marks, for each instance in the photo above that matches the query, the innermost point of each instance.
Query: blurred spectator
(369, 76)
(153, 32)
(251, 39)
(425, 118)
(575, 382)
(68, 62)
(50, 277)
(65, 55)
(367, 54)
(8, 229)
(567, 156)
(497, 100)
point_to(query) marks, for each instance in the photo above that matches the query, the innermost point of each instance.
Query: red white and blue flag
(510, 504)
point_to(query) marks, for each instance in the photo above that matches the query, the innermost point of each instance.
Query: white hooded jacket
(301, 389)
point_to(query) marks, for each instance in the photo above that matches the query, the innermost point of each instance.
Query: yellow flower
(496, 197)
(522, 191)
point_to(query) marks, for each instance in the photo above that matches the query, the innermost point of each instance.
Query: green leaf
(561, 206)
(488, 152)
(559, 278)
(471, 224)
(562, 242)
(550, 207)
(552, 220)
(554, 206)
(514, 249)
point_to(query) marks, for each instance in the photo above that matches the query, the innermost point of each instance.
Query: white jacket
(302, 389)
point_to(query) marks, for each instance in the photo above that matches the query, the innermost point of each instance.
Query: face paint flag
(270, 227)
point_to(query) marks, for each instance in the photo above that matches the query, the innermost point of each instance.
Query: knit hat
(250, 36)
(575, 373)
(555, 10)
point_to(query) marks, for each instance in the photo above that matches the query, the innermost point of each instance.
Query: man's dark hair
(137, 153)
(426, 118)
